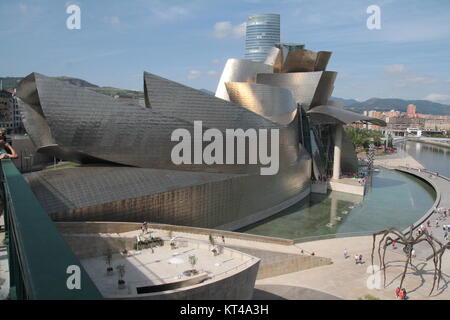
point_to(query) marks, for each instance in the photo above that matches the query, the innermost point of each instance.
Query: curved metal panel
(179, 101)
(309, 89)
(273, 103)
(240, 70)
(275, 59)
(85, 125)
(165, 196)
(306, 61)
(89, 127)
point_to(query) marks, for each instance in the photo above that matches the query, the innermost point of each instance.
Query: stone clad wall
(238, 286)
(277, 263)
(120, 227)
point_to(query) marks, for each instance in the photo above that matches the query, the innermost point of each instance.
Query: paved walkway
(347, 280)
(280, 292)
(396, 160)
(435, 220)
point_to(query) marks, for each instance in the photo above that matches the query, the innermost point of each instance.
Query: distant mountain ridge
(12, 83)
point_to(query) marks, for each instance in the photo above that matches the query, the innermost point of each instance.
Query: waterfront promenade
(432, 218)
(347, 280)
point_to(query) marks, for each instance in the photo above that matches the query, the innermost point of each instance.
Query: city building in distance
(9, 112)
(405, 123)
(262, 33)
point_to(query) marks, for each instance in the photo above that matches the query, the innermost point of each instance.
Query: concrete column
(337, 152)
(333, 210)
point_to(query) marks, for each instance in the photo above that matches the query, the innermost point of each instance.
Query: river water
(395, 200)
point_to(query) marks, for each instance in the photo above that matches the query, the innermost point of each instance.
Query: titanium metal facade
(262, 33)
(128, 173)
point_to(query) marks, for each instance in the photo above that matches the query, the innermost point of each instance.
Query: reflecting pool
(395, 200)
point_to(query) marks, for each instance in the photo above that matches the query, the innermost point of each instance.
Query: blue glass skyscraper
(263, 31)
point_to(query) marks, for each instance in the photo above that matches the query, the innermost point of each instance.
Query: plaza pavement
(347, 280)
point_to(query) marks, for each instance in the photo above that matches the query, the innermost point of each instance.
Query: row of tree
(363, 137)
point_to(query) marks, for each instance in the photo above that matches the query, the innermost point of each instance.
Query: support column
(333, 210)
(337, 152)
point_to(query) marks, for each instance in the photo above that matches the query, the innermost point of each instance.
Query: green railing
(41, 264)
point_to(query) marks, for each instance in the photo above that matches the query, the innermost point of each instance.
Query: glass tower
(263, 32)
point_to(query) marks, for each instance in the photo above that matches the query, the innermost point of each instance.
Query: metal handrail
(42, 265)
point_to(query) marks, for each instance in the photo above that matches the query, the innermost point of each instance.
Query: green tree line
(363, 137)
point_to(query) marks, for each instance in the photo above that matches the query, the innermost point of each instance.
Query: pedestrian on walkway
(223, 239)
(401, 295)
(345, 253)
(413, 253)
(394, 244)
(404, 294)
(356, 259)
(397, 292)
(360, 259)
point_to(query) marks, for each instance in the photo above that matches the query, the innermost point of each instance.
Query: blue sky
(189, 41)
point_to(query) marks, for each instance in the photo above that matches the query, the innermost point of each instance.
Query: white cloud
(224, 29)
(195, 74)
(404, 77)
(437, 97)
(170, 14)
(216, 62)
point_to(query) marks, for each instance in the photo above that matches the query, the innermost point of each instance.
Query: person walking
(345, 253)
(413, 253)
(401, 295)
(360, 259)
(356, 259)
(397, 292)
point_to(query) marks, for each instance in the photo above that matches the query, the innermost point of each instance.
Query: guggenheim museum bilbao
(188, 157)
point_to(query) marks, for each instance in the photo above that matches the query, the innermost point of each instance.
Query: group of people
(424, 229)
(6, 150)
(442, 212)
(358, 257)
(400, 293)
